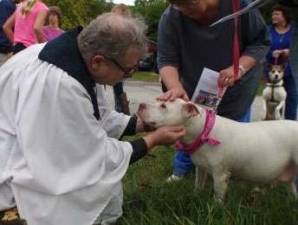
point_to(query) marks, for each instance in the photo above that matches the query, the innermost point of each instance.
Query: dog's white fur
(257, 151)
(275, 94)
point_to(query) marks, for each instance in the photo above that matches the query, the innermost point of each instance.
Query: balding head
(112, 35)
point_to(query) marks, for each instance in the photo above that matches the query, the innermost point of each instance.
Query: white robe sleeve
(113, 123)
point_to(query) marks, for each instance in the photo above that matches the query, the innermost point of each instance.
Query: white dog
(264, 151)
(275, 94)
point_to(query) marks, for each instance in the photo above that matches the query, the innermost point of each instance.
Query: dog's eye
(163, 106)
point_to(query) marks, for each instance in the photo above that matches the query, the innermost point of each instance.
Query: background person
(24, 27)
(187, 44)
(52, 29)
(7, 7)
(61, 161)
(281, 36)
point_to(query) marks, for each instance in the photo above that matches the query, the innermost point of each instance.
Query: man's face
(111, 71)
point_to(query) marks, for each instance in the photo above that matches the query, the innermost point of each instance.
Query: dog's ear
(190, 110)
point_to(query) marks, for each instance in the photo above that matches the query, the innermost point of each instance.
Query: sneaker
(174, 178)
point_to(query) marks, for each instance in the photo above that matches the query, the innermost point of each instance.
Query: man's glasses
(127, 71)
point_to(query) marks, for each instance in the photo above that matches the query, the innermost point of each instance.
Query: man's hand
(173, 94)
(164, 136)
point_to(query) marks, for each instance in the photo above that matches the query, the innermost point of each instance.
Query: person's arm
(168, 59)
(256, 42)
(8, 27)
(170, 77)
(161, 136)
(38, 26)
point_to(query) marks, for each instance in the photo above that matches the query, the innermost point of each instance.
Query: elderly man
(60, 160)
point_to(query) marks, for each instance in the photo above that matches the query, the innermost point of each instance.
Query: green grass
(145, 76)
(149, 200)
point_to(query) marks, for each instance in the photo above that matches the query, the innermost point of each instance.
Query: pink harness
(202, 138)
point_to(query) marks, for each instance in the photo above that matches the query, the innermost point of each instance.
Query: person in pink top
(25, 26)
(53, 22)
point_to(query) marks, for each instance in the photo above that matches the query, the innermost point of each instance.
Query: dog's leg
(283, 109)
(220, 179)
(200, 178)
(279, 111)
(294, 189)
(265, 109)
(197, 178)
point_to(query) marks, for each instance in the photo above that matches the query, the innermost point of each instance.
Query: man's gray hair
(112, 35)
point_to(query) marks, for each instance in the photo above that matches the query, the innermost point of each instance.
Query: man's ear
(190, 110)
(96, 62)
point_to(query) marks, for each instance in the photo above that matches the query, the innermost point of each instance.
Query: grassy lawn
(145, 76)
(148, 199)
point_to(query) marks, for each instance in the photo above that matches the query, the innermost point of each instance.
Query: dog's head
(276, 73)
(167, 113)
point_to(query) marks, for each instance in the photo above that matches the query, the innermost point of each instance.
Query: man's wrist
(150, 140)
(242, 70)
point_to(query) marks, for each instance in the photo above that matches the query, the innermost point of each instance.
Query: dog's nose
(142, 106)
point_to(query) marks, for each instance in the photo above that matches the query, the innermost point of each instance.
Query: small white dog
(263, 152)
(275, 94)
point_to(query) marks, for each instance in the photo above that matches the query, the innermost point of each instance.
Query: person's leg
(246, 117)
(3, 58)
(113, 211)
(291, 100)
(121, 102)
(182, 164)
(118, 90)
(17, 48)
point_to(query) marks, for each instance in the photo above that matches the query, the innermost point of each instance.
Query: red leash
(236, 43)
(236, 47)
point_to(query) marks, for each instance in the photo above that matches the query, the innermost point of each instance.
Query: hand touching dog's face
(167, 113)
(276, 73)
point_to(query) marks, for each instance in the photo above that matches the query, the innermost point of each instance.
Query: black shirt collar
(64, 53)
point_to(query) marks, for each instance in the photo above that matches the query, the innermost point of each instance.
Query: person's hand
(286, 52)
(227, 78)
(173, 94)
(276, 53)
(164, 136)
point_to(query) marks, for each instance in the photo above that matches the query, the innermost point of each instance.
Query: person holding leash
(187, 44)
(281, 34)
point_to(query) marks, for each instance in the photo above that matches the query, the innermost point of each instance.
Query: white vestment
(58, 164)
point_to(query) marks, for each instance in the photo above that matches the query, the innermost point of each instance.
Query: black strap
(64, 53)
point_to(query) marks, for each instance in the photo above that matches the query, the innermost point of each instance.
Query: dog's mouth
(148, 125)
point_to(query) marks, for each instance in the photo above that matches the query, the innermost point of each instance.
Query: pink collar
(202, 138)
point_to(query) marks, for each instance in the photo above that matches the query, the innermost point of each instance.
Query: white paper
(207, 92)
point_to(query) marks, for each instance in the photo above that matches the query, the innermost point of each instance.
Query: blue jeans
(182, 161)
